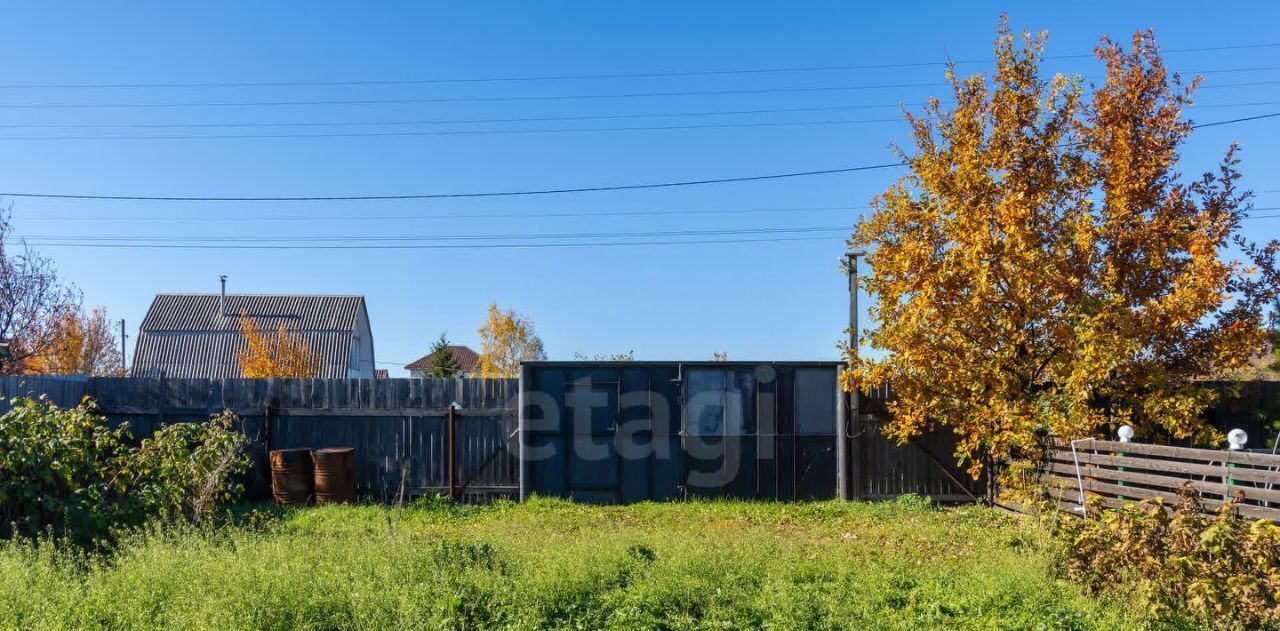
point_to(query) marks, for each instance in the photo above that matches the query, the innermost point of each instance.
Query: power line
(466, 246)
(453, 216)
(502, 215)
(463, 246)
(1237, 120)
(1241, 84)
(529, 214)
(466, 99)
(245, 136)
(462, 237)
(569, 77)
(470, 132)
(513, 193)
(465, 132)
(415, 241)
(1201, 106)
(511, 98)
(467, 121)
(590, 189)
(431, 246)
(533, 119)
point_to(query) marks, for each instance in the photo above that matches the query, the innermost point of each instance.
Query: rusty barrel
(335, 475)
(292, 481)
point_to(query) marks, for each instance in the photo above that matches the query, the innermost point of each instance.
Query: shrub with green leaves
(1185, 567)
(67, 473)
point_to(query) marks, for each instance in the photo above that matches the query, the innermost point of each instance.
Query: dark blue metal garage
(633, 431)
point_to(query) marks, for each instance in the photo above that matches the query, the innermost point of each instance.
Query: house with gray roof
(198, 335)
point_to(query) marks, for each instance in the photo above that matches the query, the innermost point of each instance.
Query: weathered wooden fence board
(1117, 472)
(884, 469)
(398, 427)
(399, 430)
(62, 391)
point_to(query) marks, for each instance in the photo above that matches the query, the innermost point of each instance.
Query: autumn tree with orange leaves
(506, 339)
(1044, 267)
(79, 343)
(281, 353)
(33, 299)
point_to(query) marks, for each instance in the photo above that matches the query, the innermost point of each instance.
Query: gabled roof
(189, 336)
(200, 312)
(467, 359)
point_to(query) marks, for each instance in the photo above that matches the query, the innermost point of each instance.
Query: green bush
(66, 473)
(1188, 568)
(912, 501)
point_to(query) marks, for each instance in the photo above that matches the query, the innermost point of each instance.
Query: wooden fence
(400, 428)
(883, 469)
(1118, 472)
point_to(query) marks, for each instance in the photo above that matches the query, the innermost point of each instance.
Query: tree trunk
(989, 470)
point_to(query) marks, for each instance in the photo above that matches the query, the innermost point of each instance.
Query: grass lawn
(554, 564)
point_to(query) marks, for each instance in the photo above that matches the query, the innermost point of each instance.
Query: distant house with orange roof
(467, 359)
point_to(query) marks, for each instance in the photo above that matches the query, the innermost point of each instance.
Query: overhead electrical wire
(569, 77)
(462, 237)
(391, 363)
(400, 217)
(552, 191)
(415, 242)
(468, 132)
(504, 215)
(588, 189)
(508, 98)
(465, 121)
(533, 119)
(543, 97)
(409, 242)
(1236, 120)
(429, 246)
(458, 132)
(404, 123)
(130, 243)
(346, 238)
(465, 99)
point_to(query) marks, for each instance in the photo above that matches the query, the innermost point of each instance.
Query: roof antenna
(222, 298)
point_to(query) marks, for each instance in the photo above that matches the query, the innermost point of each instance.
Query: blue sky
(759, 300)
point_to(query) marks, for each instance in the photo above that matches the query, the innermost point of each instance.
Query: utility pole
(848, 423)
(124, 362)
(851, 268)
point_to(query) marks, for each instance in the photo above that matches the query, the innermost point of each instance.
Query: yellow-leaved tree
(1043, 266)
(78, 343)
(274, 354)
(506, 339)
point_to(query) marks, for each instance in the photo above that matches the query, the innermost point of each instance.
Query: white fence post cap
(1237, 438)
